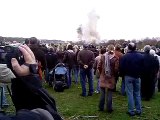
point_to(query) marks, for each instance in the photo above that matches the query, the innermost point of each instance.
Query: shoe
(146, 99)
(101, 109)
(138, 113)
(110, 111)
(2, 111)
(97, 92)
(130, 114)
(90, 94)
(5, 105)
(114, 90)
(82, 95)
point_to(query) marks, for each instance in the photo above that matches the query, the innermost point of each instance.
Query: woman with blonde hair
(108, 66)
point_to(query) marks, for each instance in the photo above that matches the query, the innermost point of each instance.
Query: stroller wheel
(59, 86)
(50, 84)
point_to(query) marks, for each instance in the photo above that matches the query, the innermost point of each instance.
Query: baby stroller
(60, 77)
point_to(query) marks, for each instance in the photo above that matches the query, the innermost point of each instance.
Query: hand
(23, 70)
(85, 66)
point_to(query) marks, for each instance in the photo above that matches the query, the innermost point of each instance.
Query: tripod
(2, 93)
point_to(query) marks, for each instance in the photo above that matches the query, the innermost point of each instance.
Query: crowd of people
(137, 69)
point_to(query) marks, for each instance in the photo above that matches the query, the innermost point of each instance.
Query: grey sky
(59, 19)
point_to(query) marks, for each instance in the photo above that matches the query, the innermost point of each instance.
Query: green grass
(74, 107)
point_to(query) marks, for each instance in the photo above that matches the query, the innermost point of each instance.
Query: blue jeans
(76, 73)
(98, 87)
(123, 87)
(69, 77)
(108, 99)
(3, 99)
(133, 87)
(89, 74)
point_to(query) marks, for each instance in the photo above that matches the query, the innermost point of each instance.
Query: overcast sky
(59, 19)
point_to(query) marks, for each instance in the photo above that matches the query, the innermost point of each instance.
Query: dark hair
(34, 41)
(69, 47)
(103, 50)
(51, 50)
(132, 46)
(118, 47)
(27, 41)
(85, 46)
(153, 48)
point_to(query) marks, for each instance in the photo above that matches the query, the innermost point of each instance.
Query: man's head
(132, 46)
(70, 47)
(34, 41)
(103, 50)
(85, 46)
(152, 52)
(110, 48)
(147, 48)
(27, 41)
(118, 47)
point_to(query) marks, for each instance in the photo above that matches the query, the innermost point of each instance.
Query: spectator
(69, 60)
(51, 62)
(119, 54)
(60, 53)
(86, 60)
(76, 66)
(97, 60)
(108, 66)
(150, 64)
(156, 68)
(131, 67)
(34, 45)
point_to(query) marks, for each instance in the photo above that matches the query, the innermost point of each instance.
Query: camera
(8, 52)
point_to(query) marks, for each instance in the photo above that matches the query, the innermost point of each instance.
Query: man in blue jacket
(131, 67)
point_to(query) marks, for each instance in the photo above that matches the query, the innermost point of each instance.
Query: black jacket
(27, 93)
(86, 57)
(131, 64)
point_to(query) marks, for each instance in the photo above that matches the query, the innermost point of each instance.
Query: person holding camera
(31, 101)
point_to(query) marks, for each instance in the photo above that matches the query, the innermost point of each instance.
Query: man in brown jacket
(86, 60)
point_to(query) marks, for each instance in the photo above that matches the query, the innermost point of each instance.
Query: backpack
(70, 59)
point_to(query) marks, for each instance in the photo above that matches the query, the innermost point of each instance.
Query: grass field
(74, 107)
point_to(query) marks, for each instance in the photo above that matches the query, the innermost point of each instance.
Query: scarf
(108, 57)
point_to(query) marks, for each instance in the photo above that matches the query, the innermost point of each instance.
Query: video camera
(8, 52)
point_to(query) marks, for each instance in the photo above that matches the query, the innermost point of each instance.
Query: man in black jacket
(69, 60)
(86, 60)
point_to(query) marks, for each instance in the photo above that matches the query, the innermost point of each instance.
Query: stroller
(60, 77)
